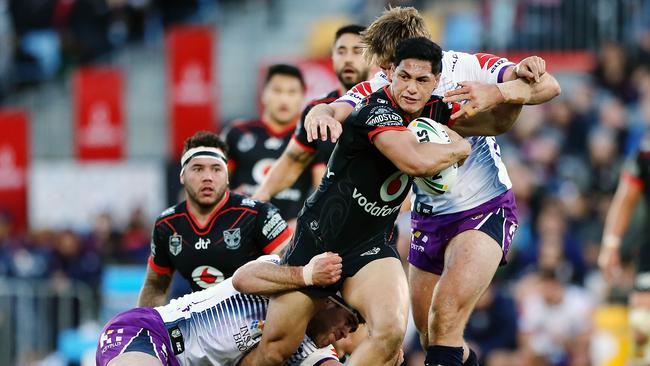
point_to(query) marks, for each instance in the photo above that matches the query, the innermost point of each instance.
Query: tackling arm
(266, 278)
(326, 117)
(492, 109)
(154, 290)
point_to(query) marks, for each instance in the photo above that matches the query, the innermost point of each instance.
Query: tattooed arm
(155, 289)
(285, 171)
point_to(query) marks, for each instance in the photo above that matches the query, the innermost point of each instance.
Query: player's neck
(277, 127)
(202, 214)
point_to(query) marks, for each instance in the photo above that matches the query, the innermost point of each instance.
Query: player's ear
(181, 178)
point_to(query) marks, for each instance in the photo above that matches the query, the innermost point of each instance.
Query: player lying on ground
(217, 326)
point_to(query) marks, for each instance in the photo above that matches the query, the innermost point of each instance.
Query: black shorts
(307, 243)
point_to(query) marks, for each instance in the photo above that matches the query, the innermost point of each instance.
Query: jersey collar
(220, 205)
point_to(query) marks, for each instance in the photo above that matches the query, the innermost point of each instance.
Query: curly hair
(394, 25)
(207, 139)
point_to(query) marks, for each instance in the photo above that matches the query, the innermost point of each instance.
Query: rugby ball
(429, 131)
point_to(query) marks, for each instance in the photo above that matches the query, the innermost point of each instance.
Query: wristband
(307, 274)
(611, 241)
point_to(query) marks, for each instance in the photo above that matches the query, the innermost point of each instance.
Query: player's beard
(206, 205)
(348, 83)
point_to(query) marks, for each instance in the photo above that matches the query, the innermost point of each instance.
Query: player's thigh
(135, 359)
(378, 289)
(471, 259)
(287, 317)
(421, 286)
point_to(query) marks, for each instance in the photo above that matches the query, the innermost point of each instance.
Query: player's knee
(389, 337)
(451, 302)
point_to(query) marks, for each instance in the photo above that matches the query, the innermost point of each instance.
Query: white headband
(202, 152)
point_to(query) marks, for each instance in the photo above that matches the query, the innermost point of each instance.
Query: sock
(444, 356)
(472, 360)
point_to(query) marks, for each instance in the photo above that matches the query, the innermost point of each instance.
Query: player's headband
(202, 152)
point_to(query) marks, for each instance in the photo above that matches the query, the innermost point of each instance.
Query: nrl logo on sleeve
(175, 244)
(232, 238)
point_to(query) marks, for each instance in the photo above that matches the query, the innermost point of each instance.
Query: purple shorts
(431, 234)
(135, 330)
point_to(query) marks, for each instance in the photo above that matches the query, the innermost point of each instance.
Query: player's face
(348, 62)
(412, 84)
(282, 99)
(205, 181)
(331, 324)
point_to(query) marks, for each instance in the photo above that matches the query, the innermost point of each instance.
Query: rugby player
(634, 182)
(351, 69)
(355, 207)
(470, 226)
(215, 231)
(217, 326)
(255, 145)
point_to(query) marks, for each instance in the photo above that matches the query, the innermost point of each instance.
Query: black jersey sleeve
(159, 258)
(375, 118)
(271, 229)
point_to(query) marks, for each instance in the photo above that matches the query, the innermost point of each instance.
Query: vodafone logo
(207, 276)
(394, 186)
(261, 169)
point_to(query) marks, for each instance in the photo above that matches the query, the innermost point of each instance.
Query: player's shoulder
(171, 211)
(244, 202)
(378, 109)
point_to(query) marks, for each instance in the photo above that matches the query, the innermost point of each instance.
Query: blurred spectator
(135, 241)
(32, 257)
(493, 324)
(613, 72)
(555, 325)
(604, 160)
(77, 262)
(104, 237)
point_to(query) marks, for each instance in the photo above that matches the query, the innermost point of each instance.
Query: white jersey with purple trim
(483, 176)
(219, 325)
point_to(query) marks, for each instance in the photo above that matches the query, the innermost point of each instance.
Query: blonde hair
(394, 25)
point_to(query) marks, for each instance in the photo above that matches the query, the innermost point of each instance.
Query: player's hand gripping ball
(429, 131)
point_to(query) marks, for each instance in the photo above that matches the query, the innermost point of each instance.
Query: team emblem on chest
(175, 244)
(232, 238)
